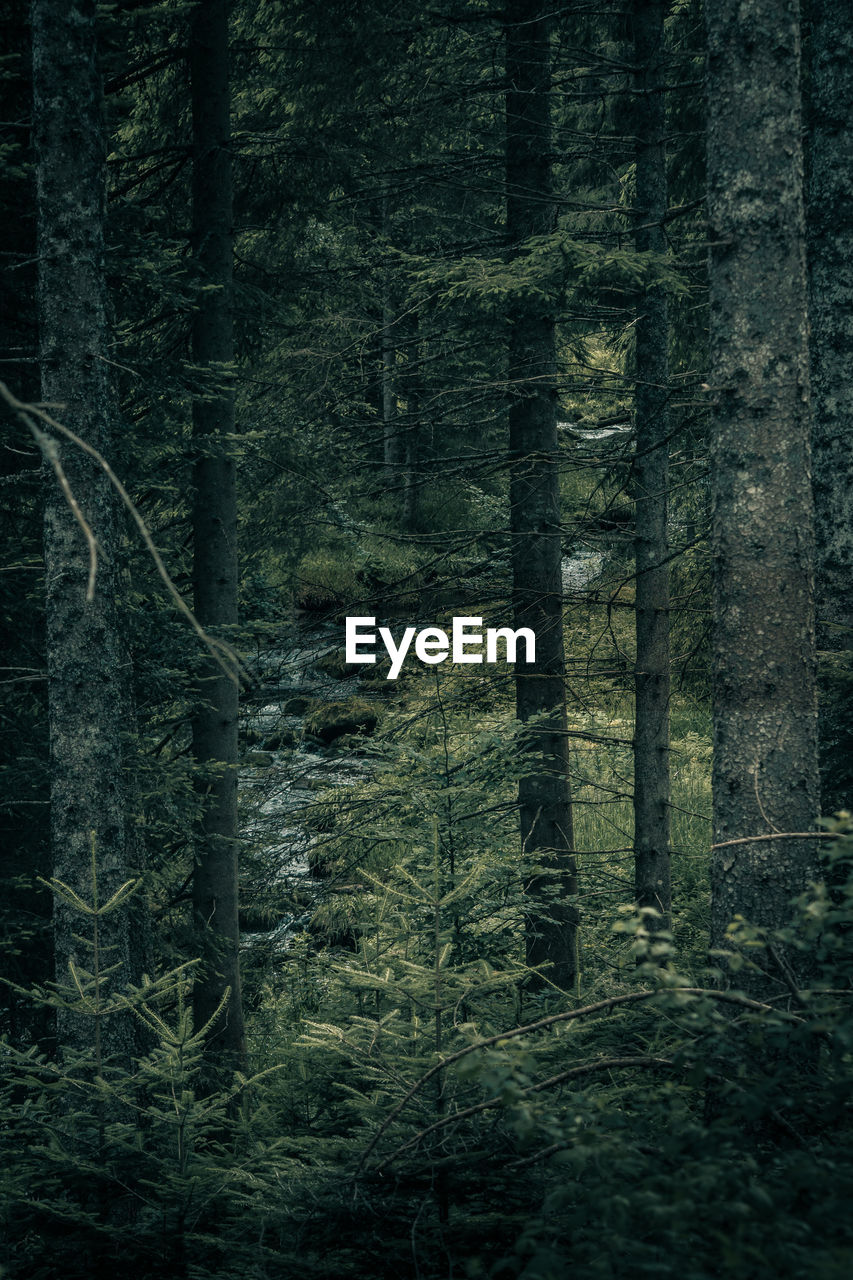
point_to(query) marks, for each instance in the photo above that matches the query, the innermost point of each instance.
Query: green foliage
(675, 1128)
(419, 1111)
(333, 719)
(670, 1127)
(115, 1166)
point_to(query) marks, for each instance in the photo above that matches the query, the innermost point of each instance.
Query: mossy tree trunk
(764, 706)
(24, 825)
(414, 407)
(391, 450)
(86, 664)
(830, 243)
(544, 796)
(215, 898)
(651, 478)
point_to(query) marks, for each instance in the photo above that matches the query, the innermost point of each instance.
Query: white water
(275, 797)
(596, 433)
(580, 568)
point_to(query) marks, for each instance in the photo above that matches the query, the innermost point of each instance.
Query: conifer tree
(24, 912)
(544, 796)
(215, 571)
(830, 247)
(87, 667)
(765, 761)
(651, 476)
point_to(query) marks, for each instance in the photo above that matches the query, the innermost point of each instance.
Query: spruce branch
(600, 1006)
(583, 1069)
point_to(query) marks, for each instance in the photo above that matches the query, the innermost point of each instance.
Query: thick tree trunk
(651, 480)
(24, 826)
(765, 755)
(544, 796)
(87, 669)
(830, 244)
(215, 535)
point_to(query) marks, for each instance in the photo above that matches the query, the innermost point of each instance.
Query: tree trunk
(390, 422)
(25, 909)
(830, 244)
(651, 480)
(544, 796)
(215, 536)
(391, 451)
(414, 402)
(764, 707)
(87, 669)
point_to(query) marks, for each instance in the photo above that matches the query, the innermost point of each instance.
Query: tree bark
(25, 909)
(544, 796)
(651, 480)
(830, 247)
(391, 451)
(764, 706)
(87, 669)
(414, 401)
(390, 421)
(215, 899)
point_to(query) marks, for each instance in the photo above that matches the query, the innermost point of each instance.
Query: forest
(426, 479)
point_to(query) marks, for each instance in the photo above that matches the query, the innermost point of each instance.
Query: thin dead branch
(219, 650)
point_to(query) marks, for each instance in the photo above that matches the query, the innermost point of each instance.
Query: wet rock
(296, 706)
(353, 744)
(377, 674)
(334, 719)
(335, 665)
(279, 741)
(258, 759)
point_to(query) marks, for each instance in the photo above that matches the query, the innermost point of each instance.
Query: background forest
(535, 316)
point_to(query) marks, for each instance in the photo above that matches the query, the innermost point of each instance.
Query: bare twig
(779, 835)
(539, 1155)
(584, 1069)
(632, 997)
(218, 649)
(771, 825)
(51, 455)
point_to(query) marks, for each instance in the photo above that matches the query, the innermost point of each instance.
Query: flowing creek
(283, 767)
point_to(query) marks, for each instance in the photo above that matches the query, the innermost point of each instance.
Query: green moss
(325, 579)
(279, 741)
(335, 665)
(296, 706)
(334, 719)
